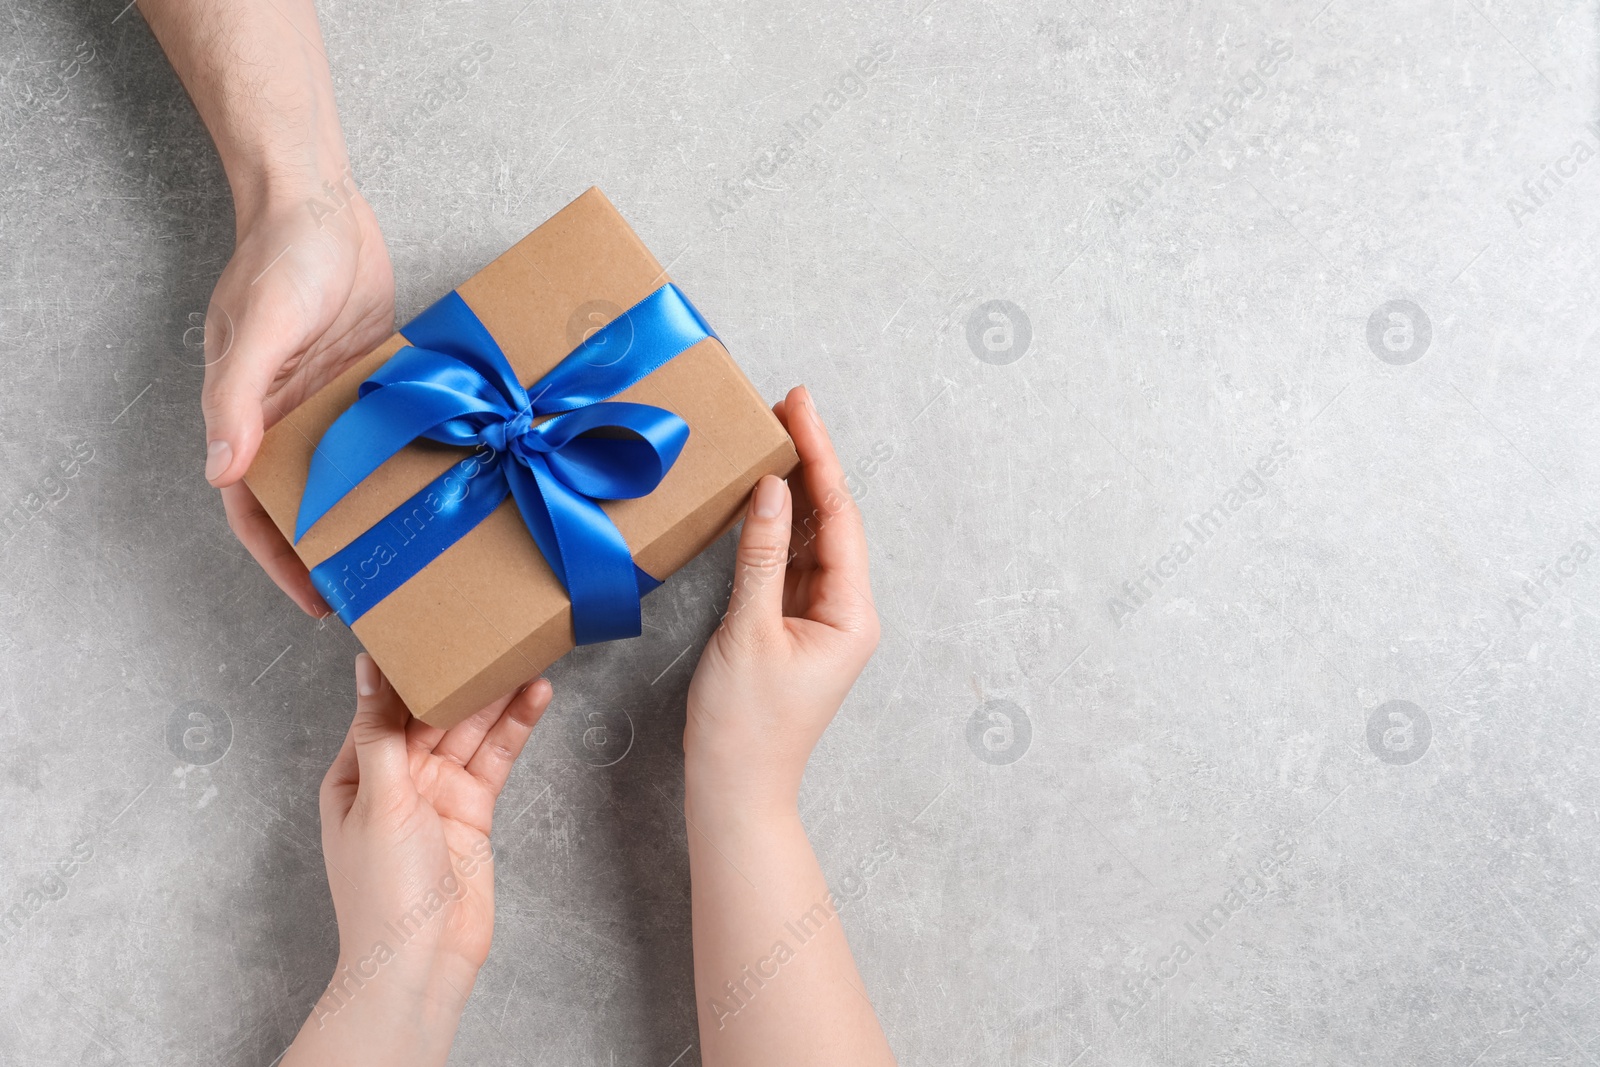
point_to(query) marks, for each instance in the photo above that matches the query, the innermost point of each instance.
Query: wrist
(266, 187)
(259, 77)
(380, 1008)
(408, 974)
(748, 777)
(283, 143)
(716, 806)
(325, 211)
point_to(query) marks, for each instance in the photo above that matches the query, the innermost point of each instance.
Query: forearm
(259, 78)
(775, 981)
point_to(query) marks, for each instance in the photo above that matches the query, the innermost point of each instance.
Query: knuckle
(215, 398)
(368, 729)
(765, 556)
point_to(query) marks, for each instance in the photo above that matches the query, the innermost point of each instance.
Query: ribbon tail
(648, 583)
(371, 430)
(586, 551)
(625, 350)
(394, 550)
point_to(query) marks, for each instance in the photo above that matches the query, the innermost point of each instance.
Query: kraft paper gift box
(489, 612)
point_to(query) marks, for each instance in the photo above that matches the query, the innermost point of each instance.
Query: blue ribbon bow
(453, 385)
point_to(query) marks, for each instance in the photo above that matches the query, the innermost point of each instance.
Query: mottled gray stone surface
(1068, 786)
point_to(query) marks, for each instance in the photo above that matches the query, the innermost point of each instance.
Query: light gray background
(1170, 350)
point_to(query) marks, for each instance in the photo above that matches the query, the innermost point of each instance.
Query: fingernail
(367, 677)
(316, 604)
(219, 454)
(769, 497)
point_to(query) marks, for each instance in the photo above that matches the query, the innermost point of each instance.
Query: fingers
(262, 539)
(458, 743)
(832, 528)
(801, 556)
(491, 764)
(378, 735)
(422, 737)
(755, 610)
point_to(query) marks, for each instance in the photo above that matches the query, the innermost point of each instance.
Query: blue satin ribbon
(453, 385)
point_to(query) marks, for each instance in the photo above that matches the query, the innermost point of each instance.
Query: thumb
(238, 374)
(755, 610)
(379, 736)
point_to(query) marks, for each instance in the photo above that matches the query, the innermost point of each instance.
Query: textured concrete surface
(1244, 557)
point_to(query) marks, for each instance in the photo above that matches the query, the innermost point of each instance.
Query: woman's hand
(406, 809)
(775, 982)
(799, 628)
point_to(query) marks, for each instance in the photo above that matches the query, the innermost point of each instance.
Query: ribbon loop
(454, 385)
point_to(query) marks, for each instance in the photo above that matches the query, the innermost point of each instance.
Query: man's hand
(304, 296)
(309, 288)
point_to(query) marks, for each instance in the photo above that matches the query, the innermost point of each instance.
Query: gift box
(506, 476)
